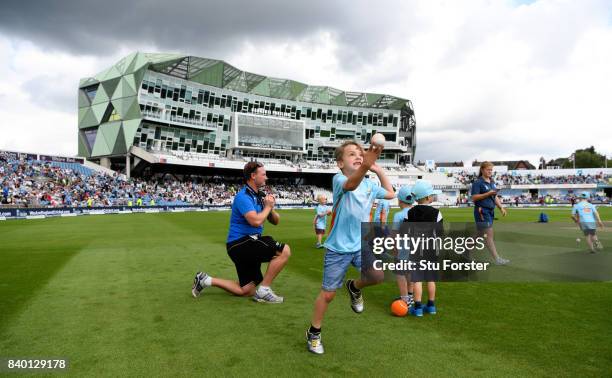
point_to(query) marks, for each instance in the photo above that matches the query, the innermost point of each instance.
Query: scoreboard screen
(268, 133)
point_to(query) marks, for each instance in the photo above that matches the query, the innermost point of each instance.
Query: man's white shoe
(267, 296)
(199, 284)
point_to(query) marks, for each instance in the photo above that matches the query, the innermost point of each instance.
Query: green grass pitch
(112, 294)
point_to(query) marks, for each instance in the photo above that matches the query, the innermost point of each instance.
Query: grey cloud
(209, 28)
(98, 28)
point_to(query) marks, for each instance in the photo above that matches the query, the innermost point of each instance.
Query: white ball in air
(378, 139)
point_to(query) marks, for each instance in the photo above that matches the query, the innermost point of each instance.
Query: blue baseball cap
(404, 194)
(585, 195)
(422, 189)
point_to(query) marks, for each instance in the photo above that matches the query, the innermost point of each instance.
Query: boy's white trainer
(315, 345)
(356, 298)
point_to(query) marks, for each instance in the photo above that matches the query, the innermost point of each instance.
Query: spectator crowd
(31, 183)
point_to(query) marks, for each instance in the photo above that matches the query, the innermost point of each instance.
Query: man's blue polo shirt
(246, 200)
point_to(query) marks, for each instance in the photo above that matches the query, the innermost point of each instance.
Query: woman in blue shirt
(484, 195)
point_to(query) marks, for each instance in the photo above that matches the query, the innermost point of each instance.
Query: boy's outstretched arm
(384, 180)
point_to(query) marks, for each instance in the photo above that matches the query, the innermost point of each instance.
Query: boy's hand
(504, 211)
(370, 156)
(375, 168)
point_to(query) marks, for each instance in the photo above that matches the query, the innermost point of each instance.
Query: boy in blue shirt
(382, 211)
(353, 198)
(405, 201)
(585, 215)
(320, 219)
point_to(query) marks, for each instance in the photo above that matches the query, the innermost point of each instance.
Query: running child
(585, 214)
(353, 198)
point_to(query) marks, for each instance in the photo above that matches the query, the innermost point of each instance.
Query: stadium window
(217, 101)
(229, 101)
(324, 117)
(298, 114)
(222, 102)
(174, 146)
(239, 107)
(369, 118)
(319, 113)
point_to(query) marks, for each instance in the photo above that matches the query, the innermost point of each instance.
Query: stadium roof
(220, 74)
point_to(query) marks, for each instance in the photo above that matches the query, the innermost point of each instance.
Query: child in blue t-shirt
(353, 199)
(586, 217)
(320, 219)
(405, 200)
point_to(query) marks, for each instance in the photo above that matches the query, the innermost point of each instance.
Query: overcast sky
(488, 79)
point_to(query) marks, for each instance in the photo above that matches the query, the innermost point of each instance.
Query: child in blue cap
(405, 201)
(431, 218)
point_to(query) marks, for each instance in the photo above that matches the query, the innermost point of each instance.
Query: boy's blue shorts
(335, 266)
(483, 216)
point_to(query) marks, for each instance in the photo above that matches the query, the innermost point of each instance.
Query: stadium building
(153, 108)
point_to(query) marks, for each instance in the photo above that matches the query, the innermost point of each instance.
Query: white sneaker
(501, 261)
(313, 340)
(356, 298)
(267, 296)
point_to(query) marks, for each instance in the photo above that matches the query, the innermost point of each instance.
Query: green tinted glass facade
(186, 104)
